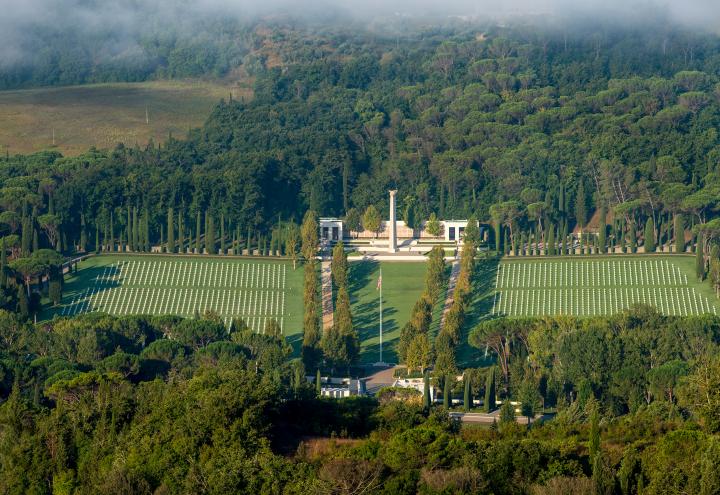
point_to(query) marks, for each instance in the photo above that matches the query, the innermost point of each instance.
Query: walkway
(327, 296)
(450, 295)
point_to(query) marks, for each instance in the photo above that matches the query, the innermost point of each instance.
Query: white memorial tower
(392, 234)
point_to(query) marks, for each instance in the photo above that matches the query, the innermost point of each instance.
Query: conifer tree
(426, 392)
(602, 230)
(649, 236)
(633, 237)
(222, 233)
(97, 238)
(83, 233)
(25, 236)
(467, 396)
(23, 305)
(128, 231)
(170, 230)
(36, 239)
(339, 265)
(679, 231)
(490, 391)
(181, 231)
(447, 392)
(550, 248)
(198, 243)
(3, 265)
(136, 230)
(111, 245)
(699, 257)
(146, 230)
(210, 233)
(581, 206)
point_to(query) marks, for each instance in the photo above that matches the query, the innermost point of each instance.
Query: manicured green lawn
(403, 284)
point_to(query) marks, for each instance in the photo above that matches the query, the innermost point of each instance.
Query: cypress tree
(146, 228)
(602, 230)
(649, 235)
(23, 306)
(3, 266)
(210, 233)
(467, 395)
(222, 233)
(181, 232)
(633, 237)
(550, 248)
(506, 243)
(581, 206)
(699, 258)
(198, 244)
(318, 383)
(25, 236)
(446, 392)
(112, 233)
(170, 230)
(426, 392)
(55, 287)
(498, 237)
(36, 240)
(83, 233)
(621, 235)
(136, 230)
(490, 391)
(248, 242)
(679, 231)
(128, 230)
(97, 237)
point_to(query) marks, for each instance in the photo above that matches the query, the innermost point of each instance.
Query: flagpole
(381, 329)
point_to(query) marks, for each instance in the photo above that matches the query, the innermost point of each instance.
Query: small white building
(454, 229)
(331, 229)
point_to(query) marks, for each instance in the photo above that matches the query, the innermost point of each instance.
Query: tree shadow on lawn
(74, 296)
(481, 304)
(359, 274)
(366, 319)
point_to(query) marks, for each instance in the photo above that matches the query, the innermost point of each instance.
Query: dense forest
(98, 404)
(549, 126)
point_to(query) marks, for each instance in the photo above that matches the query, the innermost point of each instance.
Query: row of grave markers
(196, 274)
(589, 274)
(680, 301)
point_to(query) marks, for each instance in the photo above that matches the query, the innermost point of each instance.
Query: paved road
(327, 296)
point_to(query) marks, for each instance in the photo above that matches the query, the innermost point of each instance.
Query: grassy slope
(102, 115)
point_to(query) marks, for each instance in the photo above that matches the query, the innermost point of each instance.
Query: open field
(103, 115)
(599, 286)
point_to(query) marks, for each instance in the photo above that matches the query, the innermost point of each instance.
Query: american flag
(379, 284)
